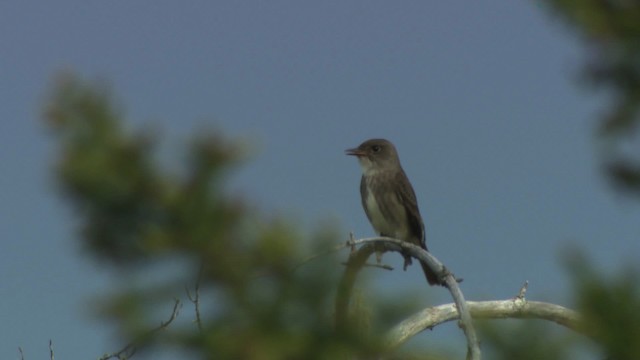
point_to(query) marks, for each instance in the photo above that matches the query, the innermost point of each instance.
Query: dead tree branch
(517, 308)
(358, 258)
(130, 349)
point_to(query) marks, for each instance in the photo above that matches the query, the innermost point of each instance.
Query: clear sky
(480, 98)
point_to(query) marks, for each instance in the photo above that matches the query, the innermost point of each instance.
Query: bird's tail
(432, 277)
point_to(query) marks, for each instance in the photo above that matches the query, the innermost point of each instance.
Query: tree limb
(518, 308)
(358, 258)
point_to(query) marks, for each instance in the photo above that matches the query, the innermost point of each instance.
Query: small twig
(196, 298)
(51, 350)
(21, 353)
(174, 315)
(130, 349)
(309, 258)
(351, 242)
(523, 290)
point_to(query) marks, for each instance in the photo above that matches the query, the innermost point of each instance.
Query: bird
(388, 198)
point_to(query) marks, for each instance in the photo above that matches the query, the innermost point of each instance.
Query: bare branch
(466, 323)
(130, 349)
(174, 315)
(517, 308)
(379, 266)
(196, 298)
(337, 248)
(51, 350)
(357, 260)
(322, 253)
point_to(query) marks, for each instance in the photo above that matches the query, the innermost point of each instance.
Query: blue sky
(481, 100)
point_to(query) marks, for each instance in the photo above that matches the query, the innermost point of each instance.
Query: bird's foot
(407, 262)
(379, 257)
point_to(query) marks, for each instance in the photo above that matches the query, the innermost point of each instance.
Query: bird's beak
(355, 152)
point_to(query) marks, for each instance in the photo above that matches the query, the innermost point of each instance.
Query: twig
(174, 315)
(369, 245)
(350, 244)
(351, 241)
(130, 349)
(21, 353)
(51, 350)
(523, 290)
(196, 298)
(309, 258)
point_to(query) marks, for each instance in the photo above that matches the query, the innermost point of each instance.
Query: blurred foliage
(134, 215)
(610, 325)
(522, 340)
(611, 31)
(610, 306)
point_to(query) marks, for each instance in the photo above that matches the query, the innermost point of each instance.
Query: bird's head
(376, 155)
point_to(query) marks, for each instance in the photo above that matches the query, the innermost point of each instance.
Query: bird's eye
(376, 148)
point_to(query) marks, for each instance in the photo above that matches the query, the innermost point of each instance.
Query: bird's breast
(385, 212)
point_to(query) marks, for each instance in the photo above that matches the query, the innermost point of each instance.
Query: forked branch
(358, 258)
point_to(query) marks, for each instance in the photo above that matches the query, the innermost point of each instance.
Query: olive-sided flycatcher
(388, 198)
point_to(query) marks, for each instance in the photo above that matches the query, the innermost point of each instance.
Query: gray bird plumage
(388, 198)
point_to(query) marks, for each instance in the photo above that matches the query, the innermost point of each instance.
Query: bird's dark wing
(407, 197)
(363, 196)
